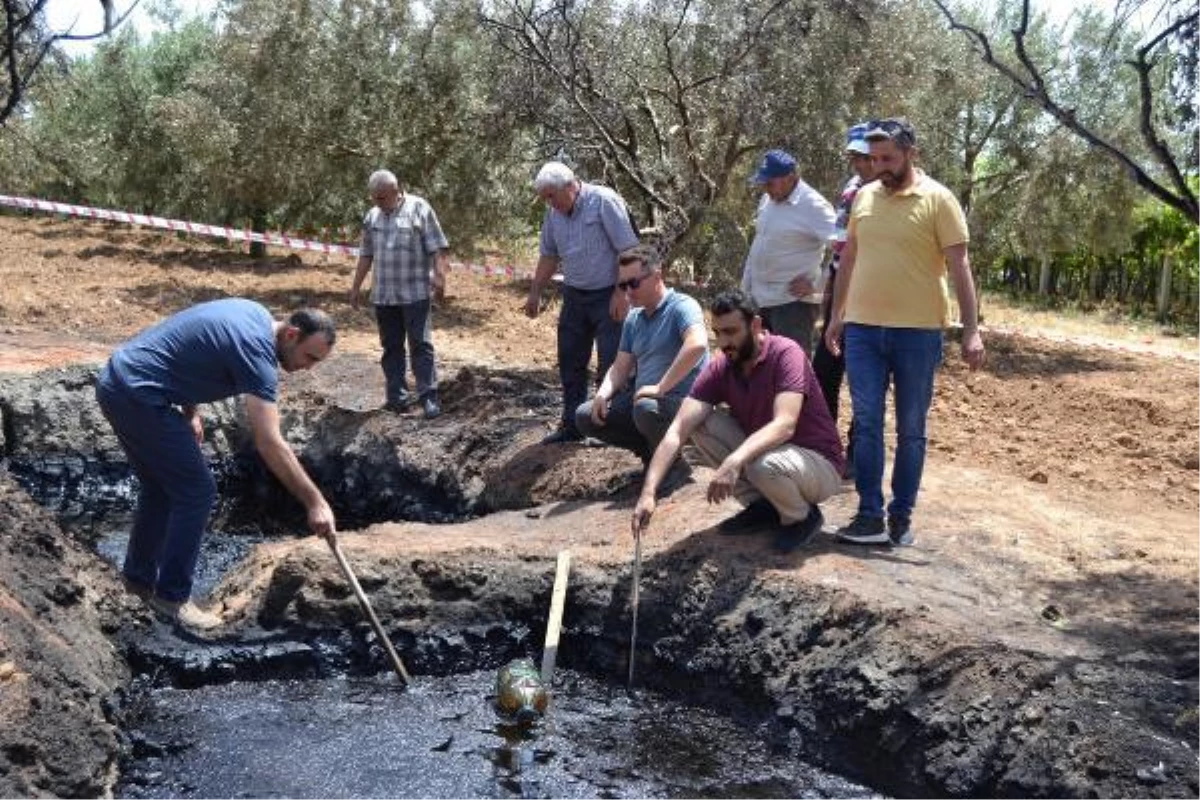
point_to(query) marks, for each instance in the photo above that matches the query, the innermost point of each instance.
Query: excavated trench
(306, 709)
(746, 675)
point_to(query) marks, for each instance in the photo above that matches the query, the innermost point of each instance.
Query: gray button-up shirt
(402, 246)
(588, 240)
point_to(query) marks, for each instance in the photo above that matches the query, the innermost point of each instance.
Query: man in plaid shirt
(402, 239)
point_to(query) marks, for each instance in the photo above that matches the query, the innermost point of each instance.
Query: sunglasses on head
(632, 283)
(900, 132)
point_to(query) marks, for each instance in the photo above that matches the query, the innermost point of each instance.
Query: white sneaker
(187, 614)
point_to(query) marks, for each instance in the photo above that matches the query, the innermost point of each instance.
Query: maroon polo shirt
(782, 366)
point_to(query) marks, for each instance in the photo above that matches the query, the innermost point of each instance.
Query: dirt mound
(58, 664)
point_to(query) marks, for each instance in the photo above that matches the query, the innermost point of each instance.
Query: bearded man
(150, 392)
(906, 233)
(776, 450)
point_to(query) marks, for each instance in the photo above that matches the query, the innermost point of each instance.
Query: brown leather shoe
(187, 614)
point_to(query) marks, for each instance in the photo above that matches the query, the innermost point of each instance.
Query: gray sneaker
(398, 405)
(900, 531)
(865, 530)
(431, 406)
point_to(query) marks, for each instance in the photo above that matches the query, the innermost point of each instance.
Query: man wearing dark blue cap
(907, 234)
(783, 270)
(830, 369)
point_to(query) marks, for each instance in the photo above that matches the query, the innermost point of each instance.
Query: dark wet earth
(368, 737)
(220, 551)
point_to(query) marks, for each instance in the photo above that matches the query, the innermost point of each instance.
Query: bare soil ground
(1073, 462)
(1058, 511)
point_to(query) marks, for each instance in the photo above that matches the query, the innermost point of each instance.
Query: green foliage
(274, 112)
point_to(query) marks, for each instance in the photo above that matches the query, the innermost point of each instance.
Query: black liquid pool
(369, 737)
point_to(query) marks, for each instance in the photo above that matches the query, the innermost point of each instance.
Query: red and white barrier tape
(224, 232)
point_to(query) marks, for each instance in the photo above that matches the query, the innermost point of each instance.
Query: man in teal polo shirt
(663, 346)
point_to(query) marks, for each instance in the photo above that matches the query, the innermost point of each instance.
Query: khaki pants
(792, 478)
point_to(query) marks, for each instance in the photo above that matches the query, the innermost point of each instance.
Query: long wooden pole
(634, 600)
(397, 664)
(554, 624)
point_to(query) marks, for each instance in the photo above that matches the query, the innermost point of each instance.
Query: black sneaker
(677, 476)
(800, 532)
(759, 514)
(429, 404)
(563, 436)
(900, 531)
(865, 530)
(399, 404)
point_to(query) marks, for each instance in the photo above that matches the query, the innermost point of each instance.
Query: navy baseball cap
(775, 164)
(856, 140)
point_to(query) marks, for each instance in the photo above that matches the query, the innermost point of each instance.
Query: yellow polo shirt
(899, 278)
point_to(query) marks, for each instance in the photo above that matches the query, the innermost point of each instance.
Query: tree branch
(1034, 90)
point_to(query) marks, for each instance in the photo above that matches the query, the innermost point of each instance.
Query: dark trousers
(797, 321)
(830, 369)
(176, 492)
(637, 426)
(584, 322)
(411, 322)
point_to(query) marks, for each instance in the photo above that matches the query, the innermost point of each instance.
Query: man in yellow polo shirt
(906, 233)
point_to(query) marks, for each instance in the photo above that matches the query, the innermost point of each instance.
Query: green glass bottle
(520, 694)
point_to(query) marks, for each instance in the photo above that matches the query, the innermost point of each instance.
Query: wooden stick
(634, 598)
(557, 601)
(397, 664)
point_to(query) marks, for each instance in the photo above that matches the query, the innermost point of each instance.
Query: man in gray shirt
(586, 226)
(403, 241)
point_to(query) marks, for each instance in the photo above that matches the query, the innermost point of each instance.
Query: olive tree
(671, 100)
(27, 41)
(1159, 63)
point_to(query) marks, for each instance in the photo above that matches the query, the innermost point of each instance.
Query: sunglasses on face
(632, 283)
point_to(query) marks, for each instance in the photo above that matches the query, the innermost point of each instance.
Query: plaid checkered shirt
(402, 246)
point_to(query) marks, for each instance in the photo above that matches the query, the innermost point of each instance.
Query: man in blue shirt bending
(149, 392)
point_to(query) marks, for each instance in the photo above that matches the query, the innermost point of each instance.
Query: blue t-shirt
(208, 352)
(654, 340)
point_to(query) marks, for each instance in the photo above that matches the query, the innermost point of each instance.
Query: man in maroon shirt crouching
(776, 449)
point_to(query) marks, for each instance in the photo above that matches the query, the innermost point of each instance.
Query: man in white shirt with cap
(783, 270)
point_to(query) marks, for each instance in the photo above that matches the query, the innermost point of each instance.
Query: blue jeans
(176, 490)
(410, 321)
(583, 322)
(907, 358)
